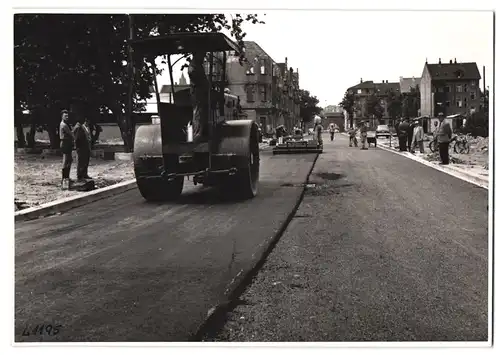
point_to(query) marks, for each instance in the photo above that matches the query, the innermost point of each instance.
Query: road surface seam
(216, 315)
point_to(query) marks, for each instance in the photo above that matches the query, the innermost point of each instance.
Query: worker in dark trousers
(67, 140)
(403, 135)
(443, 138)
(83, 144)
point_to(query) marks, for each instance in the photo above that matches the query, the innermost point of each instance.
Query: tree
(308, 106)
(394, 104)
(411, 102)
(79, 62)
(374, 107)
(347, 104)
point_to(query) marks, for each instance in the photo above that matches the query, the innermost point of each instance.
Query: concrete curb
(216, 315)
(69, 203)
(450, 170)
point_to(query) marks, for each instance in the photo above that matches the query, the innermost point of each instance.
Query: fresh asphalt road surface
(122, 269)
(382, 249)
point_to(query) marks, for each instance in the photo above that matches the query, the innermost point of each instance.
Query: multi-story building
(267, 90)
(406, 84)
(451, 88)
(362, 92)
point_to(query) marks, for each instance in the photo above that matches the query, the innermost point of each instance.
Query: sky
(333, 50)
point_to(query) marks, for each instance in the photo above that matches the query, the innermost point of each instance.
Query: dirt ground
(38, 178)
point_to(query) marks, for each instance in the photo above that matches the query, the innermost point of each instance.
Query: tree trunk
(30, 136)
(127, 131)
(21, 141)
(54, 138)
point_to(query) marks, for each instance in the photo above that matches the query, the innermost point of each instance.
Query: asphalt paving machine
(297, 143)
(165, 154)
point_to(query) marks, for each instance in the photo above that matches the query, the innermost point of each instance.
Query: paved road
(122, 269)
(383, 249)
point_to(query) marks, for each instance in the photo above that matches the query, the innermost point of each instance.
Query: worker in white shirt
(418, 137)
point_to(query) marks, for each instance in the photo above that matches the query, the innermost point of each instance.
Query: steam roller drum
(148, 166)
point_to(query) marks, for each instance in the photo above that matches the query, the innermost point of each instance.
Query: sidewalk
(468, 167)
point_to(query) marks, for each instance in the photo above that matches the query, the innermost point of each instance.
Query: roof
(364, 85)
(254, 47)
(449, 71)
(385, 87)
(407, 83)
(380, 87)
(182, 43)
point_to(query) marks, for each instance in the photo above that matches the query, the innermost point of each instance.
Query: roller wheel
(160, 190)
(244, 184)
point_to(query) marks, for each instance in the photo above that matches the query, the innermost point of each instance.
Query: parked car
(383, 131)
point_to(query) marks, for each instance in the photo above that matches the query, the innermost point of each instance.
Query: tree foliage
(308, 106)
(374, 107)
(394, 104)
(411, 102)
(347, 104)
(79, 61)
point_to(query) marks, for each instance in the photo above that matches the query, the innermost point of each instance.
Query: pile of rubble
(479, 145)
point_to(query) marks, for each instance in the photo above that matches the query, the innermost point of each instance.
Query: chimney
(361, 80)
(455, 60)
(426, 61)
(451, 61)
(439, 60)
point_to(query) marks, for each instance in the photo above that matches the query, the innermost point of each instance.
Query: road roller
(165, 155)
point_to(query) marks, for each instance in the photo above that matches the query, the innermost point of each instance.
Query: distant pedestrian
(83, 143)
(332, 131)
(443, 138)
(67, 140)
(418, 137)
(318, 129)
(352, 137)
(403, 135)
(363, 130)
(396, 125)
(410, 135)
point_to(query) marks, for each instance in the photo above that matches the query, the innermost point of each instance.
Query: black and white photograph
(252, 176)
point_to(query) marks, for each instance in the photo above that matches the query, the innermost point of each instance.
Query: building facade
(450, 88)
(364, 90)
(406, 84)
(268, 91)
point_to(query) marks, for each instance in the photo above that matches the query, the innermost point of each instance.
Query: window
(459, 103)
(472, 109)
(447, 89)
(465, 102)
(459, 88)
(250, 93)
(473, 83)
(263, 93)
(472, 95)
(447, 104)
(250, 71)
(359, 91)
(440, 89)
(263, 67)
